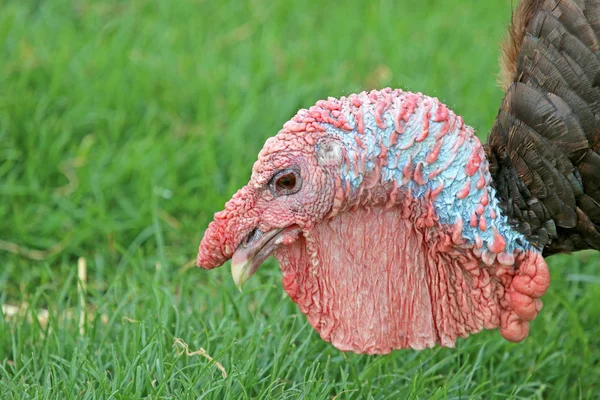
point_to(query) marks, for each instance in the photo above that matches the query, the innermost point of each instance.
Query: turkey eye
(286, 182)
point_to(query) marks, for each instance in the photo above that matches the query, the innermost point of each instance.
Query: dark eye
(286, 182)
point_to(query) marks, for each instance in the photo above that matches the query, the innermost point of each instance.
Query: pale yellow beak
(251, 254)
(239, 271)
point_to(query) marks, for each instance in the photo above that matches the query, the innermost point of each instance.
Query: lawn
(124, 125)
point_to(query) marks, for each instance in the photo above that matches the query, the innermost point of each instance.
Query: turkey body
(395, 227)
(545, 142)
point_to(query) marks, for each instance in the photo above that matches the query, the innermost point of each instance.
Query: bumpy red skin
(424, 283)
(255, 206)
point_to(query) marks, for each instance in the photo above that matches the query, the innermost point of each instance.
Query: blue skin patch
(447, 205)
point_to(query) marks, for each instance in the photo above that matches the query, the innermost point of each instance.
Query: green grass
(125, 124)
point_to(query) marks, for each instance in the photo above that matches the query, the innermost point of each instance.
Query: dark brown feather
(543, 148)
(509, 51)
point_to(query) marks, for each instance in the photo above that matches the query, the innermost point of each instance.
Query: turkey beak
(251, 253)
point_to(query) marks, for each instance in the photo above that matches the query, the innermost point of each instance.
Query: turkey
(396, 228)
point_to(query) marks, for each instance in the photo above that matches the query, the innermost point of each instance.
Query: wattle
(374, 280)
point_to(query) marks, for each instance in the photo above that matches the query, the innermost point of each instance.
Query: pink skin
(255, 207)
(423, 285)
(419, 289)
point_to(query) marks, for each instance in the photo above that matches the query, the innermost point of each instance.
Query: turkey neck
(415, 250)
(399, 144)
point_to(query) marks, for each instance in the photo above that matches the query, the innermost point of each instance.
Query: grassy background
(125, 124)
